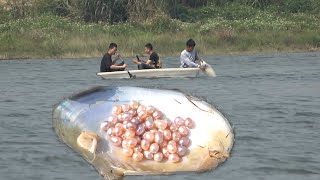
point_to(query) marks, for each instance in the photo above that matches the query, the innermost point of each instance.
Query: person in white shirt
(189, 57)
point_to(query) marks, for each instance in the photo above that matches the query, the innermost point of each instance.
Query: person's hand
(135, 61)
(118, 55)
(124, 66)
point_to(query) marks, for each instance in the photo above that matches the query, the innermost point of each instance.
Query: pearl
(172, 147)
(136, 120)
(113, 119)
(150, 109)
(137, 149)
(157, 114)
(149, 123)
(124, 144)
(131, 126)
(148, 155)
(182, 150)
(118, 131)
(161, 124)
(176, 136)
(154, 148)
(129, 134)
(145, 144)
(137, 156)
(179, 121)
(140, 129)
(132, 142)
(183, 131)
(142, 114)
(163, 144)
(110, 131)
(116, 141)
(125, 107)
(133, 112)
(120, 117)
(188, 123)
(184, 141)
(158, 157)
(167, 134)
(134, 105)
(127, 152)
(116, 109)
(127, 116)
(173, 127)
(173, 158)
(165, 152)
(149, 136)
(141, 108)
(158, 137)
(138, 138)
(105, 126)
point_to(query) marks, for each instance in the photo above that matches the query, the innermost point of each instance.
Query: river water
(272, 101)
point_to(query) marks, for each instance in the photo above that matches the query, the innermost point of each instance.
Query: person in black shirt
(107, 65)
(153, 61)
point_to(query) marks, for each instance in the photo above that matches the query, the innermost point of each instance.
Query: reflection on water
(273, 102)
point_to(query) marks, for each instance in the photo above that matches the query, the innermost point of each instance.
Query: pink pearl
(182, 150)
(154, 148)
(110, 131)
(149, 136)
(142, 114)
(136, 120)
(118, 131)
(174, 127)
(137, 156)
(157, 114)
(148, 155)
(120, 117)
(113, 119)
(165, 152)
(158, 137)
(183, 131)
(172, 147)
(127, 116)
(150, 109)
(138, 138)
(127, 152)
(179, 121)
(188, 123)
(158, 157)
(134, 104)
(132, 142)
(163, 144)
(116, 141)
(116, 109)
(184, 141)
(173, 158)
(131, 126)
(141, 108)
(140, 129)
(167, 134)
(176, 136)
(133, 112)
(161, 124)
(149, 123)
(124, 144)
(137, 149)
(105, 125)
(125, 107)
(129, 134)
(145, 144)
(168, 122)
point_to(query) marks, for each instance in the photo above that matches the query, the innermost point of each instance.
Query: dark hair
(149, 46)
(113, 45)
(191, 43)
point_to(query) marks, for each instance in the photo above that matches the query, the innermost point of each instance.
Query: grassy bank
(48, 36)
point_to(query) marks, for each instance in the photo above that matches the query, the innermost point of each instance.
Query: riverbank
(49, 36)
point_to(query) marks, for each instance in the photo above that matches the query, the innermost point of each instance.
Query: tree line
(116, 11)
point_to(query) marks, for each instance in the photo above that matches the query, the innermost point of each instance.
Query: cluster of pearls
(144, 132)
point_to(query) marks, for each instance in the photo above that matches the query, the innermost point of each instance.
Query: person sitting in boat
(189, 57)
(153, 61)
(107, 65)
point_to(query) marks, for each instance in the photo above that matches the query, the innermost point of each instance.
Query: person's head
(190, 45)
(113, 47)
(148, 48)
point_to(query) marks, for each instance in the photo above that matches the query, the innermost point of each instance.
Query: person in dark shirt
(153, 61)
(107, 65)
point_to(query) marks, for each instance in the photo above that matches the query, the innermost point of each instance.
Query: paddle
(130, 75)
(208, 70)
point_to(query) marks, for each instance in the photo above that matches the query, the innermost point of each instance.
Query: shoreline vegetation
(53, 29)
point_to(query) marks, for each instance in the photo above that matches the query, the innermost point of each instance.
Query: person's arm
(118, 67)
(185, 59)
